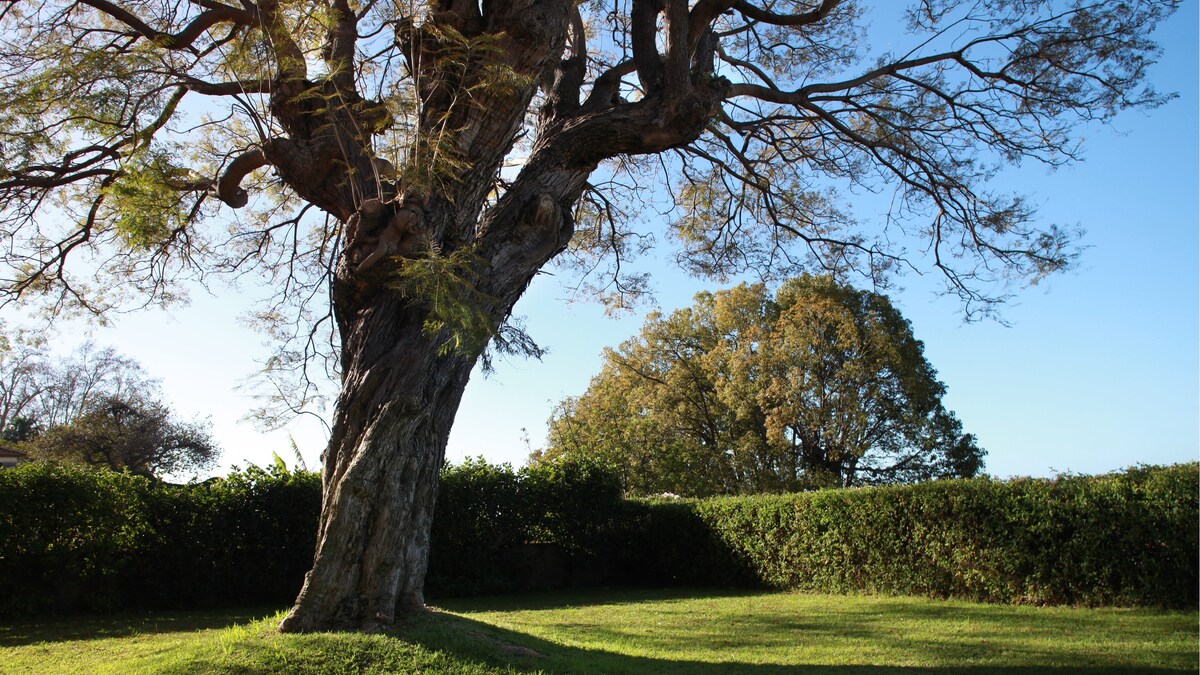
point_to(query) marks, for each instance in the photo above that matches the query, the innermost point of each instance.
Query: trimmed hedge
(1123, 539)
(497, 529)
(78, 539)
(74, 539)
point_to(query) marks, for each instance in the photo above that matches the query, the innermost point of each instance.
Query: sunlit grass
(632, 632)
(898, 633)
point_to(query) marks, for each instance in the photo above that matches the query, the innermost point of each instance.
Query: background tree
(20, 429)
(39, 390)
(128, 434)
(822, 385)
(93, 406)
(23, 376)
(405, 168)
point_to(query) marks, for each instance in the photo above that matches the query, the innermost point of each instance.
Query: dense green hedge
(75, 539)
(497, 529)
(1122, 539)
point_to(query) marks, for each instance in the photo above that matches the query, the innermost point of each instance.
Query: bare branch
(185, 37)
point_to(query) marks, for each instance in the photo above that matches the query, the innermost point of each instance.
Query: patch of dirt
(517, 650)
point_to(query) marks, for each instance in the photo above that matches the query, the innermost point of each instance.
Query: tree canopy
(821, 385)
(41, 390)
(397, 171)
(137, 124)
(130, 434)
(96, 407)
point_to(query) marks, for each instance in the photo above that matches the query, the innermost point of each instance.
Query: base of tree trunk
(380, 482)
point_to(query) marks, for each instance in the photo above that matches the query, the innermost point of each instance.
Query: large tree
(401, 170)
(821, 385)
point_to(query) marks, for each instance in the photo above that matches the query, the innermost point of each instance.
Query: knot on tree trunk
(548, 226)
(379, 232)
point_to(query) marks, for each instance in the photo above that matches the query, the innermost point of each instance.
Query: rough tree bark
(399, 391)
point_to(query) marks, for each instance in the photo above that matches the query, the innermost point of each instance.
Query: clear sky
(1098, 369)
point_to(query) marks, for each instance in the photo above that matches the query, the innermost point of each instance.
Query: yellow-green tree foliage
(819, 385)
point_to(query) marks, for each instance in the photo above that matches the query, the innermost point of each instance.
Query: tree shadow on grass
(971, 636)
(83, 627)
(515, 652)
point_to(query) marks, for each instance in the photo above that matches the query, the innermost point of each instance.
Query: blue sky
(1097, 369)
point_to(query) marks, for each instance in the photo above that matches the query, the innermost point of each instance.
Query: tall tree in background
(128, 434)
(400, 171)
(820, 386)
(39, 390)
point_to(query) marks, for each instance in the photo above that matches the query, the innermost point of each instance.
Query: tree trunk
(400, 391)
(380, 477)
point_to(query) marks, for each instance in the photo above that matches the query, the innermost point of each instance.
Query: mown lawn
(633, 632)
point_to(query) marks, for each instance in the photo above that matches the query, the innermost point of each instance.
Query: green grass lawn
(632, 632)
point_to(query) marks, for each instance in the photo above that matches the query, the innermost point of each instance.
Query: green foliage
(478, 515)
(20, 430)
(75, 539)
(69, 536)
(487, 513)
(821, 385)
(448, 286)
(243, 539)
(128, 434)
(144, 202)
(665, 543)
(78, 539)
(1121, 539)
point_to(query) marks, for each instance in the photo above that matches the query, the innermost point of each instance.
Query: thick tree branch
(563, 91)
(341, 45)
(229, 188)
(606, 89)
(678, 60)
(643, 35)
(184, 39)
(234, 88)
(803, 19)
(288, 54)
(704, 13)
